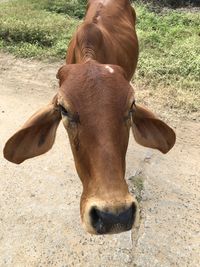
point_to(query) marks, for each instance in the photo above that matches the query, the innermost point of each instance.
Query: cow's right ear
(36, 136)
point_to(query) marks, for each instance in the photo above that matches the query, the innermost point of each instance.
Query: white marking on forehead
(109, 69)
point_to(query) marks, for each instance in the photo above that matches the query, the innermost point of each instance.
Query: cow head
(97, 106)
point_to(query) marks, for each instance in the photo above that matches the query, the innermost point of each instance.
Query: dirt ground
(39, 199)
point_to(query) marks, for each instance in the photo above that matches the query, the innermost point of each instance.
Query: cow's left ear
(36, 136)
(150, 131)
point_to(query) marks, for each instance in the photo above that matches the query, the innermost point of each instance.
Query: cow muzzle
(105, 222)
(105, 219)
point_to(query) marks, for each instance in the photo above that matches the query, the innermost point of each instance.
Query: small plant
(138, 183)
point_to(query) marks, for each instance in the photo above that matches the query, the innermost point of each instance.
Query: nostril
(134, 207)
(94, 214)
(131, 214)
(97, 221)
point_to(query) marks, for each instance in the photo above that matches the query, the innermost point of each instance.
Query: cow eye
(64, 112)
(133, 105)
(132, 108)
(130, 111)
(73, 118)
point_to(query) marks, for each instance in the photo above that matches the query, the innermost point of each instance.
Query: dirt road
(39, 200)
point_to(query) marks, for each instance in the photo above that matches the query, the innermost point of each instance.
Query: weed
(138, 183)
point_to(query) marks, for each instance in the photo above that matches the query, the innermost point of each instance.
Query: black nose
(107, 222)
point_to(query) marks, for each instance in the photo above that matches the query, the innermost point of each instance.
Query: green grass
(29, 31)
(73, 8)
(169, 63)
(170, 56)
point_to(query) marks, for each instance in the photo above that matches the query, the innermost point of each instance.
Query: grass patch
(169, 63)
(170, 56)
(73, 8)
(28, 31)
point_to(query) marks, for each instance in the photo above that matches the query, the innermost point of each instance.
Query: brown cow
(97, 106)
(107, 35)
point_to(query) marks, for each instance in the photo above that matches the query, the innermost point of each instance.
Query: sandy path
(39, 200)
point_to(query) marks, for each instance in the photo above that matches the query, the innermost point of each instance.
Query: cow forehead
(95, 86)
